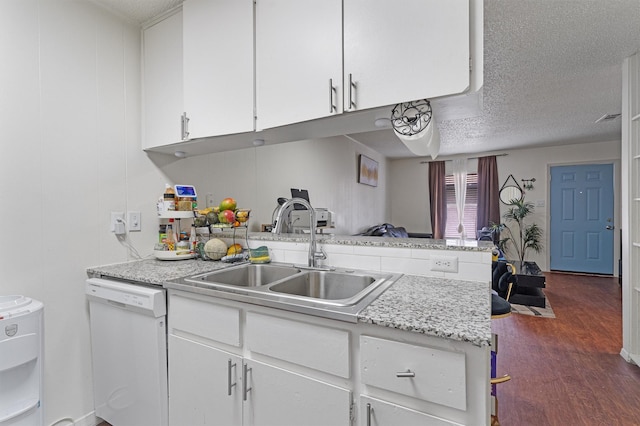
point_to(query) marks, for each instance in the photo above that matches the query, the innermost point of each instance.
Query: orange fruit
(234, 249)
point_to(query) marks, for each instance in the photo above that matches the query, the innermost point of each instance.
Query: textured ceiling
(551, 69)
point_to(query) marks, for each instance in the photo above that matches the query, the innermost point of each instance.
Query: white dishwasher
(129, 352)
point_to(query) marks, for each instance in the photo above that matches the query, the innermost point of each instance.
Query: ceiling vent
(608, 117)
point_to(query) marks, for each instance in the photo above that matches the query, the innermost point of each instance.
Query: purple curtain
(438, 198)
(488, 192)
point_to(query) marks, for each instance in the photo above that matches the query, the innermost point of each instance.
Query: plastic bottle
(193, 242)
(169, 198)
(171, 238)
(162, 234)
(160, 206)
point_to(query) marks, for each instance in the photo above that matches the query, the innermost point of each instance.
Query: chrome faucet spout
(314, 254)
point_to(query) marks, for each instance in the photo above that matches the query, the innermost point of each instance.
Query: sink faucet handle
(322, 255)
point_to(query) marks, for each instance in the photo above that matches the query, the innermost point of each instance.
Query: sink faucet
(314, 254)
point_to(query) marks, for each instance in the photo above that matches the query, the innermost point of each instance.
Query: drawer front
(375, 412)
(321, 348)
(204, 319)
(425, 373)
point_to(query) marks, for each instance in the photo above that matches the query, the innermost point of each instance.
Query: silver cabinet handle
(230, 385)
(352, 89)
(369, 411)
(332, 90)
(245, 380)
(184, 126)
(407, 373)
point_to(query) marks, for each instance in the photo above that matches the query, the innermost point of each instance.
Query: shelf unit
(176, 215)
(631, 209)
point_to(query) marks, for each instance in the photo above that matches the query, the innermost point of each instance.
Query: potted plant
(526, 237)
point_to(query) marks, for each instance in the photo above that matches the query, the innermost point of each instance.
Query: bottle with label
(171, 238)
(169, 198)
(162, 234)
(193, 241)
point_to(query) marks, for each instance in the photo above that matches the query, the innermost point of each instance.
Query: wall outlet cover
(444, 263)
(117, 223)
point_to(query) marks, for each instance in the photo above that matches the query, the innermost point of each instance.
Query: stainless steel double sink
(334, 293)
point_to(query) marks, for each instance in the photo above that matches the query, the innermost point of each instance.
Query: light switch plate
(133, 221)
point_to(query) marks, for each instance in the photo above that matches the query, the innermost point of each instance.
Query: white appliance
(300, 219)
(129, 352)
(21, 343)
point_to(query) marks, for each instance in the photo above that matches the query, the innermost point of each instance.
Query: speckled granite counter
(452, 309)
(153, 271)
(356, 240)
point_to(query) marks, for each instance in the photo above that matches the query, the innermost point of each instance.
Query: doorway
(582, 218)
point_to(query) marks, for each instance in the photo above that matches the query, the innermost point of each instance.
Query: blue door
(582, 218)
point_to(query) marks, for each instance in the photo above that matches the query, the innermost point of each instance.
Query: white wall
(70, 153)
(409, 181)
(409, 194)
(256, 177)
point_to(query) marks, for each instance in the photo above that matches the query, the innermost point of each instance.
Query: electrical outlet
(117, 223)
(210, 201)
(444, 263)
(133, 221)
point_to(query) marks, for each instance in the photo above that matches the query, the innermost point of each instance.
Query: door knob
(609, 227)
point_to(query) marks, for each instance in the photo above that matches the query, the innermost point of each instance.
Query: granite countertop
(359, 240)
(452, 309)
(153, 271)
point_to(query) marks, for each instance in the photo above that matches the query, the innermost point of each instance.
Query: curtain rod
(472, 158)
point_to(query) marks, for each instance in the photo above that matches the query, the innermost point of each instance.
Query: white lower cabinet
(279, 397)
(208, 387)
(204, 384)
(212, 386)
(375, 412)
(232, 363)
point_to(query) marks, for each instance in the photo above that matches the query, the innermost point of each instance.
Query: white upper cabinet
(391, 51)
(404, 50)
(234, 67)
(218, 67)
(163, 82)
(298, 61)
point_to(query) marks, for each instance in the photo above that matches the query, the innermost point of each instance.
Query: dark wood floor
(567, 370)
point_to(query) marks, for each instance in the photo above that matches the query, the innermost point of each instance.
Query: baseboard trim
(629, 357)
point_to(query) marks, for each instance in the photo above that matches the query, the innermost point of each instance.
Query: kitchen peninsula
(418, 353)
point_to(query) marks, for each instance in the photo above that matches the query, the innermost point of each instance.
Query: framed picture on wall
(368, 168)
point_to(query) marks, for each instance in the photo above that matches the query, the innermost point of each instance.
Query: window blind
(470, 208)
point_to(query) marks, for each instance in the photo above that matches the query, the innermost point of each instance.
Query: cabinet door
(374, 412)
(218, 66)
(200, 379)
(298, 54)
(279, 397)
(163, 82)
(404, 50)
